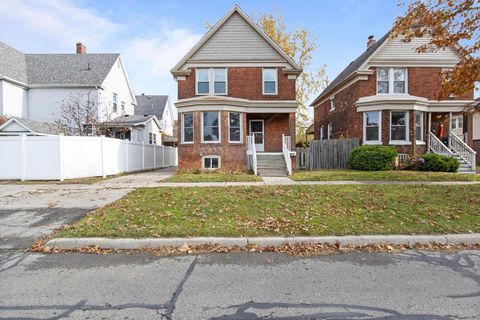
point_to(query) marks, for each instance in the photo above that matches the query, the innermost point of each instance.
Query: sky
(153, 36)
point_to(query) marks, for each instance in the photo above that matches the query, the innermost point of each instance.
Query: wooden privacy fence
(326, 154)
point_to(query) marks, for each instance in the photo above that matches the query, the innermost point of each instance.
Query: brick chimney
(81, 49)
(370, 41)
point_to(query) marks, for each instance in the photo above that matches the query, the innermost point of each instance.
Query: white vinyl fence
(61, 157)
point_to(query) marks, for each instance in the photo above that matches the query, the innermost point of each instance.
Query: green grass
(214, 177)
(398, 175)
(286, 210)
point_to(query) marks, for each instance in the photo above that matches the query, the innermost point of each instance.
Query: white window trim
(321, 132)
(183, 128)
(379, 141)
(212, 156)
(455, 120)
(211, 82)
(422, 120)
(219, 128)
(276, 82)
(391, 79)
(329, 130)
(332, 104)
(241, 128)
(407, 130)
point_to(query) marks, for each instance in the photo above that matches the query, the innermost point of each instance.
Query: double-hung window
(211, 126)
(235, 127)
(152, 138)
(321, 132)
(391, 80)
(332, 104)
(211, 81)
(372, 127)
(187, 136)
(329, 131)
(270, 81)
(115, 102)
(457, 122)
(419, 126)
(398, 127)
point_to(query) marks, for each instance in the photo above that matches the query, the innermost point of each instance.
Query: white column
(449, 127)
(429, 130)
(102, 154)
(23, 160)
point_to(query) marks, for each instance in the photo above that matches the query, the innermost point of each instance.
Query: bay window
(187, 123)
(235, 127)
(419, 126)
(211, 81)
(269, 79)
(398, 127)
(372, 127)
(391, 80)
(211, 126)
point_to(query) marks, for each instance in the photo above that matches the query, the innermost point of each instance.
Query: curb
(133, 244)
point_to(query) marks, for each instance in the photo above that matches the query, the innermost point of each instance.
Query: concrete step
(272, 173)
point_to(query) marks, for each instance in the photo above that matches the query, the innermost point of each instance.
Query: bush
(436, 162)
(372, 158)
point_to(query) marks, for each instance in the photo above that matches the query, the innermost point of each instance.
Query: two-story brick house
(234, 84)
(390, 95)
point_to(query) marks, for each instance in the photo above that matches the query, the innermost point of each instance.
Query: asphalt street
(409, 285)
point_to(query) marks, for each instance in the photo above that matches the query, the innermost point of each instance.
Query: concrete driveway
(28, 211)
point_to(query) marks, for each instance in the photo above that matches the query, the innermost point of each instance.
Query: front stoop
(270, 164)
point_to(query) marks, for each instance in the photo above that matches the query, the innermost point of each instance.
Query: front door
(256, 128)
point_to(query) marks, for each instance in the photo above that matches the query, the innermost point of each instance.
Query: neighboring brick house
(476, 128)
(390, 95)
(234, 83)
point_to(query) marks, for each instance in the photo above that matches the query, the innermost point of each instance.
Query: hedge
(372, 158)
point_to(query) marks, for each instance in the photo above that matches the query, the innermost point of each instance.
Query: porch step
(271, 165)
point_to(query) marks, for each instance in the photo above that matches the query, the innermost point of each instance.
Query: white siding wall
(13, 100)
(116, 82)
(168, 119)
(44, 104)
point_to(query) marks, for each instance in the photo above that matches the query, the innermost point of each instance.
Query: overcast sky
(153, 36)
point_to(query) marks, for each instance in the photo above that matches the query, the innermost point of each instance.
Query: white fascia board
(13, 81)
(237, 109)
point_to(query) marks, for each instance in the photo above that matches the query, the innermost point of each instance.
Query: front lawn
(286, 210)
(213, 177)
(397, 175)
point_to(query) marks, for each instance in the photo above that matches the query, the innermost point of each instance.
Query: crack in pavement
(170, 305)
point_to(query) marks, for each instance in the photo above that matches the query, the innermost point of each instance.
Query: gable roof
(235, 36)
(151, 105)
(55, 70)
(31, 126)
(351, 68)
(127, 120)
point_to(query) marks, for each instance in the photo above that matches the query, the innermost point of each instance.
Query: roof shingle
(151, 105)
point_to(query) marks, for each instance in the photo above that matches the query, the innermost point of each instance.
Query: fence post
(23, 159)
(102, 153)
(143, 155)
(60, 156)
(154, 156)
(163, 157)
(126, 154)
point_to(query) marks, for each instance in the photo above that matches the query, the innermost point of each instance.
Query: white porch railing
(437, 146)
(462, 149)
(251, 154)
(286, 147)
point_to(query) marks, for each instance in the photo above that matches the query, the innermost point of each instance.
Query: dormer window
(211, 81)
(391, 80)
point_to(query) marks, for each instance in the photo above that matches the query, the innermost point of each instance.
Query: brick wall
(476, 147)
(245, 83)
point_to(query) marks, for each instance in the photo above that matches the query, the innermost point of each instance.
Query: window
(269, 77)
(419, 126)
(210, 127)
(398, 126)
(332, 104)
(321, 133)
(372, 127)
(187, 136)
(152, 138)
(211, 162)
(235, 127)
(123, 106)
(329, 131)
(115, 102)
(211, 81)
(457, 122)
(391, 80)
